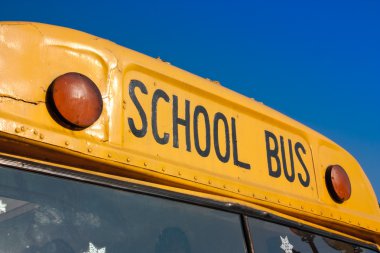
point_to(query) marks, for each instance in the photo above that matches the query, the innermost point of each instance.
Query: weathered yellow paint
(32, 55)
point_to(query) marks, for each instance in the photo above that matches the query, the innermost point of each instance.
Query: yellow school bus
(106, 150)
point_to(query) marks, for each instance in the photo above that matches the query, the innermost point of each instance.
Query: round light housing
(338, 183)
(74, 101)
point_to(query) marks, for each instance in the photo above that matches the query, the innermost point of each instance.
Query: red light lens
(75, 101)
(338, 183)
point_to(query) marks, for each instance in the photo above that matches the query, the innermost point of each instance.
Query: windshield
(46, 214)
(270, 237)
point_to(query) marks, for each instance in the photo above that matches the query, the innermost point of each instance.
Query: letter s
(304, 182)
(138, 132)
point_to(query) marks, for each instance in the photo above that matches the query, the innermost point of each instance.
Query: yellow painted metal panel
(225, 144)
(221, 141)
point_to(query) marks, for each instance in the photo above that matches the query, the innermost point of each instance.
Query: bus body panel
(163, 124)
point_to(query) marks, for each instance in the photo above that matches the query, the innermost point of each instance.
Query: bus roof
(162, 124)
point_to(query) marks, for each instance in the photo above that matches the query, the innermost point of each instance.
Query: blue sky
(315, 61)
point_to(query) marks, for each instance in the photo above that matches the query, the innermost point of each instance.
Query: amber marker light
(338, 183)
(74, 101)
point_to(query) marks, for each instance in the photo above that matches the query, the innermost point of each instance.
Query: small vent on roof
(159, 58)
(213, 81)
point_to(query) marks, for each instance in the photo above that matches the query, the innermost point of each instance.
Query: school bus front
(113, 134)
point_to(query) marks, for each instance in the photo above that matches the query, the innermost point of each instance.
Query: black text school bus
(105, 150)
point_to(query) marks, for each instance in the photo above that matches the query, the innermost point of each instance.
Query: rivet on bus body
(109, 155)
(238, 190)
(301, 207)
(145, 164)
(290, 204)
(23, 129)
(67, 143)
(278, 201)
(209, 182)
(42, 136)
(253, 195)
(124, 107)
(128, 160)
(340, 217)
(265, 197)
(195, 178)
(89, 150)
(17, 130)
(163, 169)
(312, 210)
(35, 132)
(224, 186)
(179, 173)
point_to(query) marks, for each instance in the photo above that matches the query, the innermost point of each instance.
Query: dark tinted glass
(45, 214)
(270, 237)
